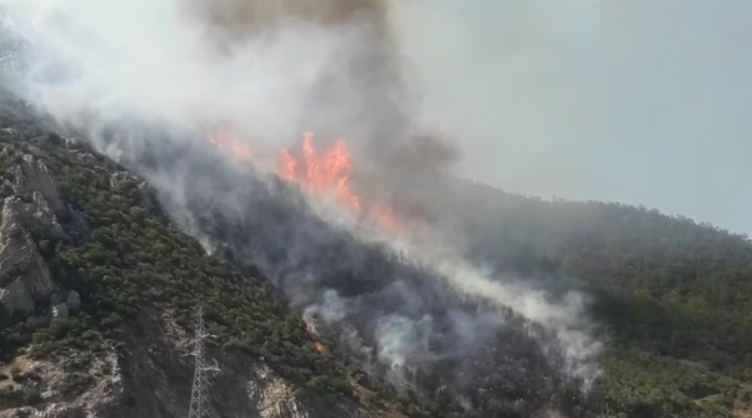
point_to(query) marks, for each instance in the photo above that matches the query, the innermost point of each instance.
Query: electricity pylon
(200, 393)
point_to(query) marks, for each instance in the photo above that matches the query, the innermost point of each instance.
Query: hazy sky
(641, 101)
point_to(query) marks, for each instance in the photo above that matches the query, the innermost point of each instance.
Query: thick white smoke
(93, 63)
(152, 58)
(565, 319)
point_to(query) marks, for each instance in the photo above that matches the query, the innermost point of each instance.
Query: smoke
(515, 82)
(562, 324)
(266, 72)
(164, 72)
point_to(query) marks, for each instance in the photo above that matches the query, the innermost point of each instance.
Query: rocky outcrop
(31, 209)
(74, 387)
(151, 378)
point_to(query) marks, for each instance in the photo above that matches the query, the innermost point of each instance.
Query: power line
(200, 407)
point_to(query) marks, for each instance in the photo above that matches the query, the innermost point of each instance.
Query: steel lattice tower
(200, 393)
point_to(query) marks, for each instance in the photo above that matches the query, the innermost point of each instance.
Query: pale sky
(639, 101)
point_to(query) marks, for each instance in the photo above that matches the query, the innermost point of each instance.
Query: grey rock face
(24, 275)
(34, 205)
(33, 176)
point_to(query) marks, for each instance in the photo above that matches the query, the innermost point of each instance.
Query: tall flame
(327, 174)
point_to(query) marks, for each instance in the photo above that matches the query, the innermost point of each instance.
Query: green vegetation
(135, 260)
(675, 297)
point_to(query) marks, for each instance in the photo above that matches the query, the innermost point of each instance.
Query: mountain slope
(690, 280)
(123, 283)
(87, 251)
(97, 258)
(673, 296)
(395, 315)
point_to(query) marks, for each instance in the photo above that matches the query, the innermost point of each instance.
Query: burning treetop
(319, 174)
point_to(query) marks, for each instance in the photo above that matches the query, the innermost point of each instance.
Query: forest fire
(316, 344)
(326, 174)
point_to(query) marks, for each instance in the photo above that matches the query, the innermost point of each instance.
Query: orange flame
(327, 174)
(330, 173)
(317, 345)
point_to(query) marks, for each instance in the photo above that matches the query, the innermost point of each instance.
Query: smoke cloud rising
(266, 72)
(167, 72)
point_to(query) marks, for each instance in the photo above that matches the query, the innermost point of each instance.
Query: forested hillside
(98, 232)
(671, 299)
(674, 296)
